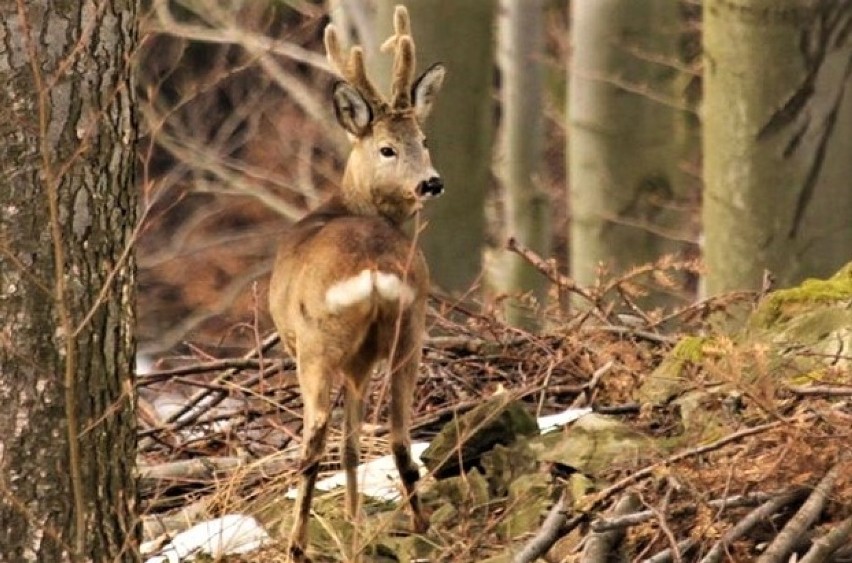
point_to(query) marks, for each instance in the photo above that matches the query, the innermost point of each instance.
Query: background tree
(777, 140)
(527, 215)
(460, 35)
(625, 140)
(68, 204)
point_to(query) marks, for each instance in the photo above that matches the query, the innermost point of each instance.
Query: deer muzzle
(433, 187)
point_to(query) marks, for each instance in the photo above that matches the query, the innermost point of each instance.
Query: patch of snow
(554, 421)
(144, 364)
(230, 534)
(377, 478)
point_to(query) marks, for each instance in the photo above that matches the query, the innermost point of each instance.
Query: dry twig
(548, 534)
(600, 545)
(783, 544)
(824, 546)
(635, 518)
(753, 518)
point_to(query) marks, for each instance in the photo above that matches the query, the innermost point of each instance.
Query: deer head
(389, 171)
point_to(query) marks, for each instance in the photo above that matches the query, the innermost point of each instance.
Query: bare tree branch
(782, 545)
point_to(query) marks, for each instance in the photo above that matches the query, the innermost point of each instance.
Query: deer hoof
(298, 555)
(420, 524)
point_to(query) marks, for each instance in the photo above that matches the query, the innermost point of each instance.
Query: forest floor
(719, 431)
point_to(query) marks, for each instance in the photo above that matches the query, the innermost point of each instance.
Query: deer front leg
(315, 384)
(402, 381)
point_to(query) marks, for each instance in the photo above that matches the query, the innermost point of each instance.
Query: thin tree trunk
(460, 129)
(527, 212)
(67, 213)
(625, 144)
(777, 140)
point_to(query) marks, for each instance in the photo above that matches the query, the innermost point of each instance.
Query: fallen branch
(460, 408)
(668, 554)
(585, 396)
(754, 517)
(548, 534)
(549, 270)
(598, 499)
(828, 390)
(189, 413)
(663, 523)
(636, 332)
(157, 376)
(780, 548)
(195, 469)
(600, 545)
(557, 523)
(736, 501)
(824, 546)
(205, 469)
(178, 521)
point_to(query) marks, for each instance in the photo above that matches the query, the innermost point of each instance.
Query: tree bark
(777, 140)
(521, 51)
(625, 136)
(67, 216)
(460, 129)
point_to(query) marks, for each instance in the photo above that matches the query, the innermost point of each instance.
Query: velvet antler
(403, 63)
(353, 71)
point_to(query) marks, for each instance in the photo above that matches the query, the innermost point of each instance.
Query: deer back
(339, 275)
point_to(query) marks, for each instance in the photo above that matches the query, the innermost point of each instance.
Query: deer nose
(433, 187)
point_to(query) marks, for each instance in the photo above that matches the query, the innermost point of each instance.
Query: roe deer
(349, 287)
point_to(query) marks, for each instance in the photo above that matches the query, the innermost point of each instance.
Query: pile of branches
(782, 481)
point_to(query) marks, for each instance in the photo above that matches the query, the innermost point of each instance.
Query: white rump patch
(360, 288)
(392, 288)
(349, 291)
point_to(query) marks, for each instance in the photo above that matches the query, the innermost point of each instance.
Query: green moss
(529, 499)
(786, 303)
(690, 349)
(595, 443)
(500, 420)
(668, 378)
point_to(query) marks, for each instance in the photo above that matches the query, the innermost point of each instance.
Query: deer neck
(362, 198)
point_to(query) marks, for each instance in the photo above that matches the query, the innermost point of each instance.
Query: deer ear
(353, 112)
(425, 89)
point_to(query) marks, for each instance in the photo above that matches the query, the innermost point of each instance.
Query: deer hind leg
(403, 378)
(354, 407)
(315, 384)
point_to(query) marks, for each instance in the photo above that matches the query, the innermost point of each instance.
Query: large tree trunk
(68, 209)
(625, 137)
(460, 129)
(777, 140)
(521, 51)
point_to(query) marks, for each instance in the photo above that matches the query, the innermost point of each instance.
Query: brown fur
(352, 242)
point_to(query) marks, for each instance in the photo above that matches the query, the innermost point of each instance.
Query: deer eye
(387, 152)
(425, 143)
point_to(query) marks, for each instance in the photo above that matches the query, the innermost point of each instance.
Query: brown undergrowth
(735, 427)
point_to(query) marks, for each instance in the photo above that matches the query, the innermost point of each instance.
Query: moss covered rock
(462, 441)
(595, 443)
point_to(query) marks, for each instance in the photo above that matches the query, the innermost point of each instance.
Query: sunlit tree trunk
(67, 213)
(625, 143)
(527, 218)
(777, 140)
(460, 35)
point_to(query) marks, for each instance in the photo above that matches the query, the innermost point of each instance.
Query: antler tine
(401, 21)
(333, 51)
(403, 64)
(352, 70)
